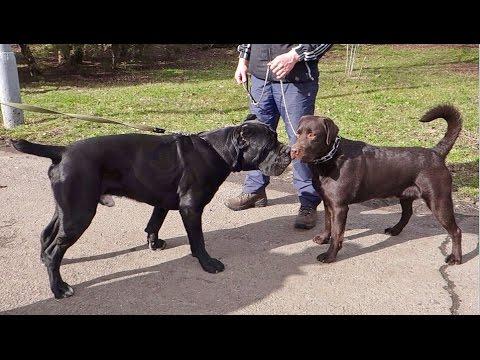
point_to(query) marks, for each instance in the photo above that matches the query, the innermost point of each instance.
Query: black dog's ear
(331, 130)
(250, 117)
(241, 136)
(245, 134)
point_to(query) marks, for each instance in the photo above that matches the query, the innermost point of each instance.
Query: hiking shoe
(306, 218)
(246, 201)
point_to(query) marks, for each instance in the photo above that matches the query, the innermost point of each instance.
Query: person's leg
(300, 100)
(266, 111)
(253, 192)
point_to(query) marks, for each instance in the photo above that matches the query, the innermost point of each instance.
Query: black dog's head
(259, 148)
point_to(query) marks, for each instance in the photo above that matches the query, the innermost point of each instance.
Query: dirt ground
(270, 266)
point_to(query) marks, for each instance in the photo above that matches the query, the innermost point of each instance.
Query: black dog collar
(330, 154)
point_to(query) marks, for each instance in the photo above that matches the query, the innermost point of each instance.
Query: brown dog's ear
(331, 130)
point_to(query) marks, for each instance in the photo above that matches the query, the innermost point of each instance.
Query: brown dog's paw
(321, 239)
(326, 258)
(453, 260)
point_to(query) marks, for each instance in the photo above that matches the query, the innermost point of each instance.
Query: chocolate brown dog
(347, 172)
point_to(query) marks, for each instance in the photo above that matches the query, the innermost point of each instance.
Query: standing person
(297, 66)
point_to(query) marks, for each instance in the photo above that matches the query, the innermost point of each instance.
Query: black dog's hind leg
(48, 235)
(192, 220)
(153, 227)
(77, 198)
(69, 232)
(407, 212)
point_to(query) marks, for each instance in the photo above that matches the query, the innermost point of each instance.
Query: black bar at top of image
(168, 26)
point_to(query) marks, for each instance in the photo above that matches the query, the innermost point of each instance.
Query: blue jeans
(300, 99)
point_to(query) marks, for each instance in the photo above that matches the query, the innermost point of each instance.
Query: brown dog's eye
(311, 135)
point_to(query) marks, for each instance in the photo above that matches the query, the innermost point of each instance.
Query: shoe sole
(258, 203)
(304, 227)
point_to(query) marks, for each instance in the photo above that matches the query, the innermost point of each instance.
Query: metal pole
(9, 87)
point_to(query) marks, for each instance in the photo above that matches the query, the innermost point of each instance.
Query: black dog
(173, 172)
(347, 172)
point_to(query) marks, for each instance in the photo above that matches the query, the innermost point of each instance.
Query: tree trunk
(76, 57)
(64, 53)
(31, 62)
(117, 51)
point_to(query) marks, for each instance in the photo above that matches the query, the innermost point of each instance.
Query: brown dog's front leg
(324, 236)
(339, 219)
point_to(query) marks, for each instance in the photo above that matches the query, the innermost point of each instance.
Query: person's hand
(241, 72)
(283, 64)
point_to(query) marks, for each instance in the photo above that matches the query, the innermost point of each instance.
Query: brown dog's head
(316, 135)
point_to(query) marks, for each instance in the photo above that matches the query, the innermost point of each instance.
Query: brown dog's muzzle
(297, 151)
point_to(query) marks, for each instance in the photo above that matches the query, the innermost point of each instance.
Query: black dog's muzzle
(276, 162)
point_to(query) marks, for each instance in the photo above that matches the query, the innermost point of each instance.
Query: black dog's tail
(454, 121)
(49, 151)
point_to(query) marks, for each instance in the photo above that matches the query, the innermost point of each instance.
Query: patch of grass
(381, 106)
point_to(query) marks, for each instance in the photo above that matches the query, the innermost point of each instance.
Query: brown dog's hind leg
(407, 212)
(324, 236)
(153, 227)
(437, 193)
(442, 208)
(339, 219)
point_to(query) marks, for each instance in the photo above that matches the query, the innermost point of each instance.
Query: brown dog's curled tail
(454, 121)
(49, 151)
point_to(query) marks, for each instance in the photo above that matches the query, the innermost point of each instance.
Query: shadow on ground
(254, 268)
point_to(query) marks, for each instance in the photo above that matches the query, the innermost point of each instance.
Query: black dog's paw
(107, 200)
(155, 243)
(212, 265)
(326, 257)
(392, 231)
(453, 260)
(62, 290)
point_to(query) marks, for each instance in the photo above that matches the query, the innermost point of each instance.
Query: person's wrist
(243, 61)
(294, 55)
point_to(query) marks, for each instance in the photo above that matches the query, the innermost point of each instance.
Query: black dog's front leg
(153, 227)
(192, 220)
